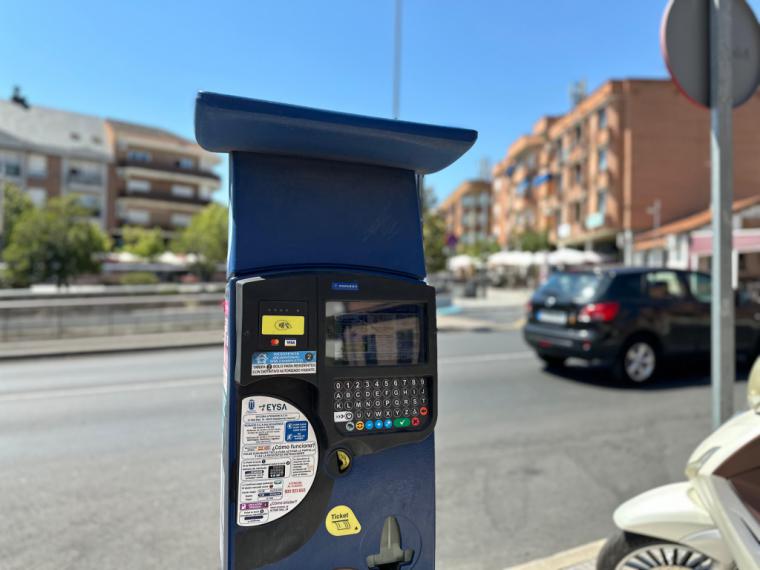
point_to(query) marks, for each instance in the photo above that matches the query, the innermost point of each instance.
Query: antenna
(577, 92)
(485, 168)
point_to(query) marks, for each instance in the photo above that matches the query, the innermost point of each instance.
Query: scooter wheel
(626, 551)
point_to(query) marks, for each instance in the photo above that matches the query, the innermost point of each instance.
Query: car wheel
(628, 551)
(553, 361)
(638, 361)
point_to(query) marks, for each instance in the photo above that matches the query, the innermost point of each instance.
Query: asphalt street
(112, 462)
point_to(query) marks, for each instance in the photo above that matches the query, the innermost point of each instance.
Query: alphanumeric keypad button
(378, 403)
(377, 383)
(423, 401)
(406, 412)
(378, 414)
(387, 413)
(423, 391)
(386, 383)
(386, 393)
(396, 392)
(349, 405)
(414, 391)
(405, 401)
(347, 395)
(397, 402)
(404, 391)
(358, 404)
(367, 394)
(395, 383)
(415, 401)
(339, 385)
(396, 412)
(358, 395)
(377, 393)
(339, 406)
(404, 382)
(386, 403)
(358, 414)
(367, 383)
(415, 411)
(338, 396)
(413, 382)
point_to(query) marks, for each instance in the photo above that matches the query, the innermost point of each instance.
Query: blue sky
(494, 66)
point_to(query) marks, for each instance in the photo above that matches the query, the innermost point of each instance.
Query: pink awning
(745, 241)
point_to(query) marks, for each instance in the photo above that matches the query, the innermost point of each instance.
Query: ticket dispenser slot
(331, 389)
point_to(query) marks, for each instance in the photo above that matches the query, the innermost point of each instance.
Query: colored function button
(360, 426)
(401, 422)
(369, 425)
(378, 424)
(389, 424)
(415, 422)
(424, 411)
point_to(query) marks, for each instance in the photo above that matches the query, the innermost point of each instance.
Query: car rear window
(573, 286)
(625, 286)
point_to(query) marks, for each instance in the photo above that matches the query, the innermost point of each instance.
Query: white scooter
(712, 521)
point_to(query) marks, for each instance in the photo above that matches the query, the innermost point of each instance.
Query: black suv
(630, 319)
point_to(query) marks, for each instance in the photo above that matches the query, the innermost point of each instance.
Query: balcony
(168, 168)
(84, 178)
(164, 197)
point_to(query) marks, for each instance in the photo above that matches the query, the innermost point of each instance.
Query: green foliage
(206, 236)
(14, 204)
(480, 249)
(532, 240)
(433, 232)
(139, 278)
(55, 243)
(143, 242)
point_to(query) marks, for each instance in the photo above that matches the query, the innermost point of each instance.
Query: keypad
(381, 405)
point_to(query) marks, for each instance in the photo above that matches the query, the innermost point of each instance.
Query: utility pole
(721, 157)
(397, 61)
(655, 210)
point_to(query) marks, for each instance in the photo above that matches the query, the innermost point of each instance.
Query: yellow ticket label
(341, 521)
(282, 325)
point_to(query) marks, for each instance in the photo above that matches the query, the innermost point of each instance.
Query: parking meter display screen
(375, 333)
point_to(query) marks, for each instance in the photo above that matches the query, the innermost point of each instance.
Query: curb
(578, 558)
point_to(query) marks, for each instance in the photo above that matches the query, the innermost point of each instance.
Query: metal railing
(45, 319)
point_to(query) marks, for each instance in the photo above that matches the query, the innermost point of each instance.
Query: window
(601, 201)
(10, 164)
(625, 286)
(578, 174)
(577, 211)
(577, 134)
(37, 165)
(602, 160)
(91, 203)
(38, 196)
(601, 118)
(700, 286)
(134, 185)
(141, 217)
(138, 156)
(664, 285)
(560, 178)
(186, 163)
(84, 172)
(182, 191)
(181, 220)
(205, 192)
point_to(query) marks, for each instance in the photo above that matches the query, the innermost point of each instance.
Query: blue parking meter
(331, 380)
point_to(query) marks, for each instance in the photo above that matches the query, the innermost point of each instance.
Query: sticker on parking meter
(284, 362)
(278, 459)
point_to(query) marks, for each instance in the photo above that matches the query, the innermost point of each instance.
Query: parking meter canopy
(323, 189)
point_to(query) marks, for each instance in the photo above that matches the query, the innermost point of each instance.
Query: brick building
(467, 212)
(125, 174)
(632, 153)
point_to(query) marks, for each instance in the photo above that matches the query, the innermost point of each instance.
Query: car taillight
(598, 312)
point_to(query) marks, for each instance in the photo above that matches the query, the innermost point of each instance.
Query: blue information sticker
(296, 431)
(284, 362)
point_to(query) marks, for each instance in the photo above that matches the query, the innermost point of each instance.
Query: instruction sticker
(341, 521)
(278, 459)
(284, 362)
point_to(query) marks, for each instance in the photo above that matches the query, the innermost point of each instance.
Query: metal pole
(721, 160)
(397, 61)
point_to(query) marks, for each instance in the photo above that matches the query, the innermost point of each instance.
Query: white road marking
(494, 357)
(105, 390)
(186, 383)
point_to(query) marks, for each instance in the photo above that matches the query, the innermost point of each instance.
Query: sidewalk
(103, 344)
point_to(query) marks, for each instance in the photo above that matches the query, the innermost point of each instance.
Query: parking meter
(330, 343)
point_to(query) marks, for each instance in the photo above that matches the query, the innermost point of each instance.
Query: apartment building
(467, 212)
(51, 153)
(632, 154)
(124, 173)
(158, 178)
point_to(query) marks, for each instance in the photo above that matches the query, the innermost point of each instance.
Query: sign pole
(722, 179)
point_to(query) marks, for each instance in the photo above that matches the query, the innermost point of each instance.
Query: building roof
(53, 131)
(689, 223)
(133, 129)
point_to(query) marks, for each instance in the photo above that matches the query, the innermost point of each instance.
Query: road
(111, 462)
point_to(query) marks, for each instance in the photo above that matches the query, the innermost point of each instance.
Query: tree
(433, 232)
(56, 242)
(532, 240)
(143, 242)
(206, 237)
(480, 249)
(13, 204)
